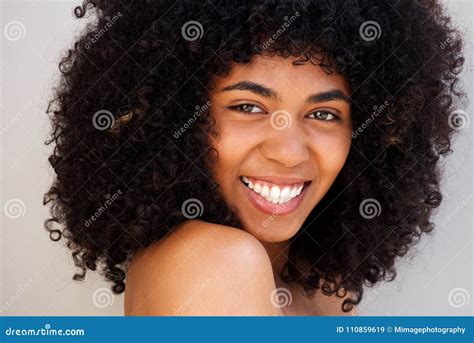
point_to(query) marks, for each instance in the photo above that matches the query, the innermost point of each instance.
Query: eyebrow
(333, 94)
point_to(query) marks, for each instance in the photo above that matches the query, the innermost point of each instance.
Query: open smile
(274, 198)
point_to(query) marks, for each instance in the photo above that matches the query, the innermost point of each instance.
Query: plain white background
(435, 279)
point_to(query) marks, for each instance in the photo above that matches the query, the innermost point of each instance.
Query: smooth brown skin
(209, 269)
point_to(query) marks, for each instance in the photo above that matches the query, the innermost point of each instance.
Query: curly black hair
(140, 69)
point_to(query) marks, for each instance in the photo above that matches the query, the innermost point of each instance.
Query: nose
(286, 145)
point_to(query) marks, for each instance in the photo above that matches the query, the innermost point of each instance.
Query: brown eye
(247, 108)
(324, 115)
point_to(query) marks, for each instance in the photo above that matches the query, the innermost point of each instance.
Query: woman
(251, 158)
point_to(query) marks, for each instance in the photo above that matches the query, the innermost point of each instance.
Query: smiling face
(284, 135)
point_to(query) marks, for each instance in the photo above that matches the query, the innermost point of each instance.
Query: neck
(278, 253)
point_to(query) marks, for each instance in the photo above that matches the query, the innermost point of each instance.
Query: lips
(275, 193)
(273, 198)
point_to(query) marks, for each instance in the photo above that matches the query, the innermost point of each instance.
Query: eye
(324, 115)
(247, 108)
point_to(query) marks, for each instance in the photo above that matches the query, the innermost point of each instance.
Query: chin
(273, 229)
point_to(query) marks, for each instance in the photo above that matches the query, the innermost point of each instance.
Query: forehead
(281, 74)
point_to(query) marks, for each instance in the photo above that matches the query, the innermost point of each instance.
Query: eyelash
(236, 108)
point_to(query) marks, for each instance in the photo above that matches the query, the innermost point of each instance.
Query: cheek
(331, 150)
(234, 145)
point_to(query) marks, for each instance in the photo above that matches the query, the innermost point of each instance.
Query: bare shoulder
(201, 269)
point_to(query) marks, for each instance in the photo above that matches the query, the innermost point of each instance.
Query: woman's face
(284, 135)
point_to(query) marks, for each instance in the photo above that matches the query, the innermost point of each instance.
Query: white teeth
(275, 192)
(293, 192)
(257, 188)
(275, 195)
(285, 193)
